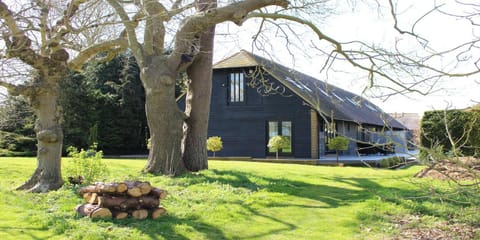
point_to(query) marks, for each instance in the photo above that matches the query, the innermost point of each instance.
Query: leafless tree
(175, 39)
(39, 40)
(160, 68)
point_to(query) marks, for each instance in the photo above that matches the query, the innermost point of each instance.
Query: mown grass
(235, 200)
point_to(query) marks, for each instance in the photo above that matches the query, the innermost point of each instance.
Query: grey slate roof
(329, 100)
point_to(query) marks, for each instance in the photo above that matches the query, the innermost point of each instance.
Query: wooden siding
(314, 134)
(243, 128)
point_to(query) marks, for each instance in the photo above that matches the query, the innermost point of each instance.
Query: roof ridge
(242, 51)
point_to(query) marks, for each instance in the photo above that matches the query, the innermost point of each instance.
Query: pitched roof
(327, 99)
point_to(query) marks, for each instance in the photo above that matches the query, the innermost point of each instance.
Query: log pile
(121, 200)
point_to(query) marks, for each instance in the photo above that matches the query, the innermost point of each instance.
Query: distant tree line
(451, 132)
(104, 104)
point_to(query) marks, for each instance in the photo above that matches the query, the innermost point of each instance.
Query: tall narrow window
(287, 132)
(237, 85)
(283, 128)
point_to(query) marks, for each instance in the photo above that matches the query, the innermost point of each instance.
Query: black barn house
(254, 99)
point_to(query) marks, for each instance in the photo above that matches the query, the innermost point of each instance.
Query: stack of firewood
(121, 200)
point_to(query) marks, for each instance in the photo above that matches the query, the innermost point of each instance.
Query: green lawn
(233, 200)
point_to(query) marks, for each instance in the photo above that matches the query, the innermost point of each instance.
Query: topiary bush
(214, 144)
(338, 143)
(276, 143)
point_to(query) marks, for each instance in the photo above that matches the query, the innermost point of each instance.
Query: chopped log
(140, 214)
(148, 202)
(87, 196)
(134, 191)
(145, 187)
(157, 212)
(88, 189)
(106, 187)
(93, 211)
(119, 214)
(159, 193)
(101, 213)
(121, 187)
(124, 202)
(130, 203)
(101, 187)
(93, 198)
(111, 202)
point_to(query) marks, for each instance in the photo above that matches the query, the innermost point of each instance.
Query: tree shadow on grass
(350, 191)
(165, 227)
(22, 232)
(331, 196)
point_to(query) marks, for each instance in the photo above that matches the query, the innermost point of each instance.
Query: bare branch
(197, 23)
(176, 4)
(88, 53)
(154, 36)
(130, 29)
(63, 25)
(19, 45)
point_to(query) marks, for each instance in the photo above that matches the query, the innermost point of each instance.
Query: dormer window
(236, 88)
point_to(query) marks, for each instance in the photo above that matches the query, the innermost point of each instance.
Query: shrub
(277, 143)
(13, 144)
(214, 144)
(338, 143)
(390, 162)
(464, 129)
(433, 154)
(87, 164)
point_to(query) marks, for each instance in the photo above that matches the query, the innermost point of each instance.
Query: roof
(330, 101)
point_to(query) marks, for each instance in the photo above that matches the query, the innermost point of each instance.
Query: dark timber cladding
(244, 119)
(254, 99)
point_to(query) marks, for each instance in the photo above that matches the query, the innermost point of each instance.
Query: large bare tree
(161, 62)
(39, 38)
(160, 68)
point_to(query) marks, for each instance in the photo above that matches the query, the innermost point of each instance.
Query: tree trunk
(47, 176)
(336, 154)
(165, 120)
(197, 101)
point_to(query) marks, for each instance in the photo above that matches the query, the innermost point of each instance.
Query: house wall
(243, 127)
(343, 128)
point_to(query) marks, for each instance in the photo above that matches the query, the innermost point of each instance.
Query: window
(282, 128)
(237, 87)
(330, 130)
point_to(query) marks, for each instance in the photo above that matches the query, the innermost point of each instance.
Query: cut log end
(101, 213)
(93, 211)
(159, 193)
(122, 187)
(134, 192)
(158, 212)
(140, 214)
(119, 215)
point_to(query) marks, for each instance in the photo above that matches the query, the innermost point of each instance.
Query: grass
(235, 200)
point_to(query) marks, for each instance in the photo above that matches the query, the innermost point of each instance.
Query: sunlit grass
(231, 200)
